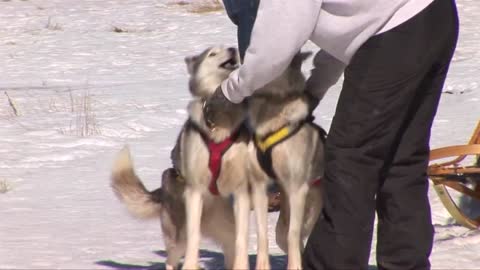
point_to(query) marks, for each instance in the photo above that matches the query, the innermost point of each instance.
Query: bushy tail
(130, 190)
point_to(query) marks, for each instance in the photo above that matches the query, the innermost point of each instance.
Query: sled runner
(461, 174)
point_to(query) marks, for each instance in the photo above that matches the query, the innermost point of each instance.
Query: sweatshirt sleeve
(281, 28)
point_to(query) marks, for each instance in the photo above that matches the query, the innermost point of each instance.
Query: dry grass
(84, 122)
(4, 186)
(206, 9)
(53, 25)
(200, 7)
(121, 29)
(12, 104)
(117, 29)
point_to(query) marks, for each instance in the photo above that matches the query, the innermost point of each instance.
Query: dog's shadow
(211, 260)
(125, 266)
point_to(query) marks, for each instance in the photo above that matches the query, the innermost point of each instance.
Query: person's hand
(216, 103)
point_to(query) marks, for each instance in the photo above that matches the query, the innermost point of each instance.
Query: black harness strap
(265, 158)
(265, 161)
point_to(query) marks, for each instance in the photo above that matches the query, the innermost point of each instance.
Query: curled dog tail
(130, 190)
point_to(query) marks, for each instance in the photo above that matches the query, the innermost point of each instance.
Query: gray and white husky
(211, 165)
(287, 147)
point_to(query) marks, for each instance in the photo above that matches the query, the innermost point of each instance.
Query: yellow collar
(272, 139)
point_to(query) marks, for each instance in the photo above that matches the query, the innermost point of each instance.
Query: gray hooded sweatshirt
(339, 27)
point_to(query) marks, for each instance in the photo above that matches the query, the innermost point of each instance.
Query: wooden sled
(460, 174)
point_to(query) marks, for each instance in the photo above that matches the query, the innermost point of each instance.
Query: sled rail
(454, 175)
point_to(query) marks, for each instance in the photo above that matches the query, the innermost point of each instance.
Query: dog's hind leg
(219, 225)
(174, 242)
(313, 207)
(193, 205)
(174, 255)
(228, 255)
(242, 212)
(228, 250)
(297, 208)
(281, 230)
(260, 205)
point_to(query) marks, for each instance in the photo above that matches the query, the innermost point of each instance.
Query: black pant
(378, 146)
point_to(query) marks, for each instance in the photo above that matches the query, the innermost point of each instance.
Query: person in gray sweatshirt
(394, 55)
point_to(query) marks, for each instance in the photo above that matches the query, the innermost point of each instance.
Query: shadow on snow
(211, 260)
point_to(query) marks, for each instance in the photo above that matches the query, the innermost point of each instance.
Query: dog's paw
(262, 264)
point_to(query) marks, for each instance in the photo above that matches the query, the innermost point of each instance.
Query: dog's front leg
(242, 211)
(260, 205)
(297, 208)
(193, 205)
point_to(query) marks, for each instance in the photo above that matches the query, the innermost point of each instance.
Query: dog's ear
(298, 59)
(190, 61)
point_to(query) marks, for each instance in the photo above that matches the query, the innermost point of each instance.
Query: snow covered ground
(114, 70)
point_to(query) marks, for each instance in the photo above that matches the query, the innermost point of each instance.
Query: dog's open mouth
(230, 64)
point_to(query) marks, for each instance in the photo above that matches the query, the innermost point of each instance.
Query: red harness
(316, 182)
(217, 150)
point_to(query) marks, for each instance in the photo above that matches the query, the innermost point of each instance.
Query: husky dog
(168, 204)
(211, 164)
(287, 147)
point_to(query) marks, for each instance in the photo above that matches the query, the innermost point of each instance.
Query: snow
(59, 54)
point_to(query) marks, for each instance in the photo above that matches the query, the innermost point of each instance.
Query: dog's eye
(212, 54)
